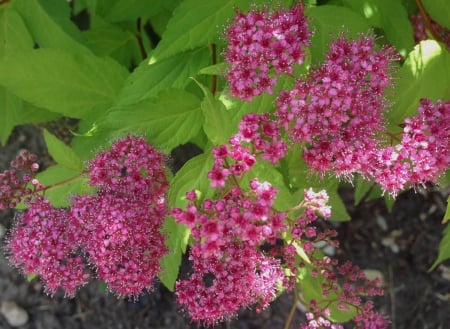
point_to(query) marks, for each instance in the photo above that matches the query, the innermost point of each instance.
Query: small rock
(14, 314)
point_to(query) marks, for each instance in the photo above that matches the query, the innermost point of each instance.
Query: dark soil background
(398, 246)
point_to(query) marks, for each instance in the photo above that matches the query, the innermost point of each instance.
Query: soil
(398, 245)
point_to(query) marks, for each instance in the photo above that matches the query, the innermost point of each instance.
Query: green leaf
(439, 10)
(217, 69)
(147, 80)
(265, 171)
(62, 184)
(125, 10)
(62, 153)
(76, 85)
(217, 118)
(177, 237)
(366, 189)
(14, 34)
(389, 15)
(189, 29)
(328, 22)
(312, 289)
(447, 212)
(112, 40)
(14, 111)
(171, 119)
(50, 25)
(192, 176)
(444, 247)
(31, 277)
(425, 74)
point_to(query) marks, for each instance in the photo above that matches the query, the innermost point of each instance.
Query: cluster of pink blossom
(257, 136)
(228, 233)
(261, 41)
(219, 287)
(420, 30)
(45, 241)
(338, 109)
(116, 231)
(13, 182)
(423, 153)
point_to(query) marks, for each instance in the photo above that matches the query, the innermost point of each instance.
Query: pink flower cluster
(423, 153)
(258, 136)
(45, 241)
(261, 41)
(337, 110)
(116, 231)
(13, 182)
(228, 233)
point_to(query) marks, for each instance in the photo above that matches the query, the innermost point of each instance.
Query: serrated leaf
(14, 34)
(425, 74)
(189, 29)
(444, 248)
(439, 10)
(192, 176)
(76, 85)
(389, 15)
(147, 80)
(328, 22)
(62, 183)
(177, 237)
(62, 153)
(171, 119)
(49, 25)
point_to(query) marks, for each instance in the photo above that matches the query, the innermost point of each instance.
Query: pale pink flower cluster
(115, 231)
(262, 44)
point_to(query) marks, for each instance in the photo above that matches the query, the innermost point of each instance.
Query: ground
(399, 245)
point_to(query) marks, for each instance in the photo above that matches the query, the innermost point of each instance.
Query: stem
(427, 20)
(287, 325)
(68, 180)
(139, 39)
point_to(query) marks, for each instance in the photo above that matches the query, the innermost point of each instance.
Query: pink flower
(45, 241)
(261, 41)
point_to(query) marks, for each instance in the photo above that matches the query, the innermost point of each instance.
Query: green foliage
(391, 17)
(444, 245)
(90, 83)
(439, 11)
(62, 153)
(420, 77)
(172, 118)
(328, 22)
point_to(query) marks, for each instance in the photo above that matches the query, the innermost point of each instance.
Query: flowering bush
(270, 94)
